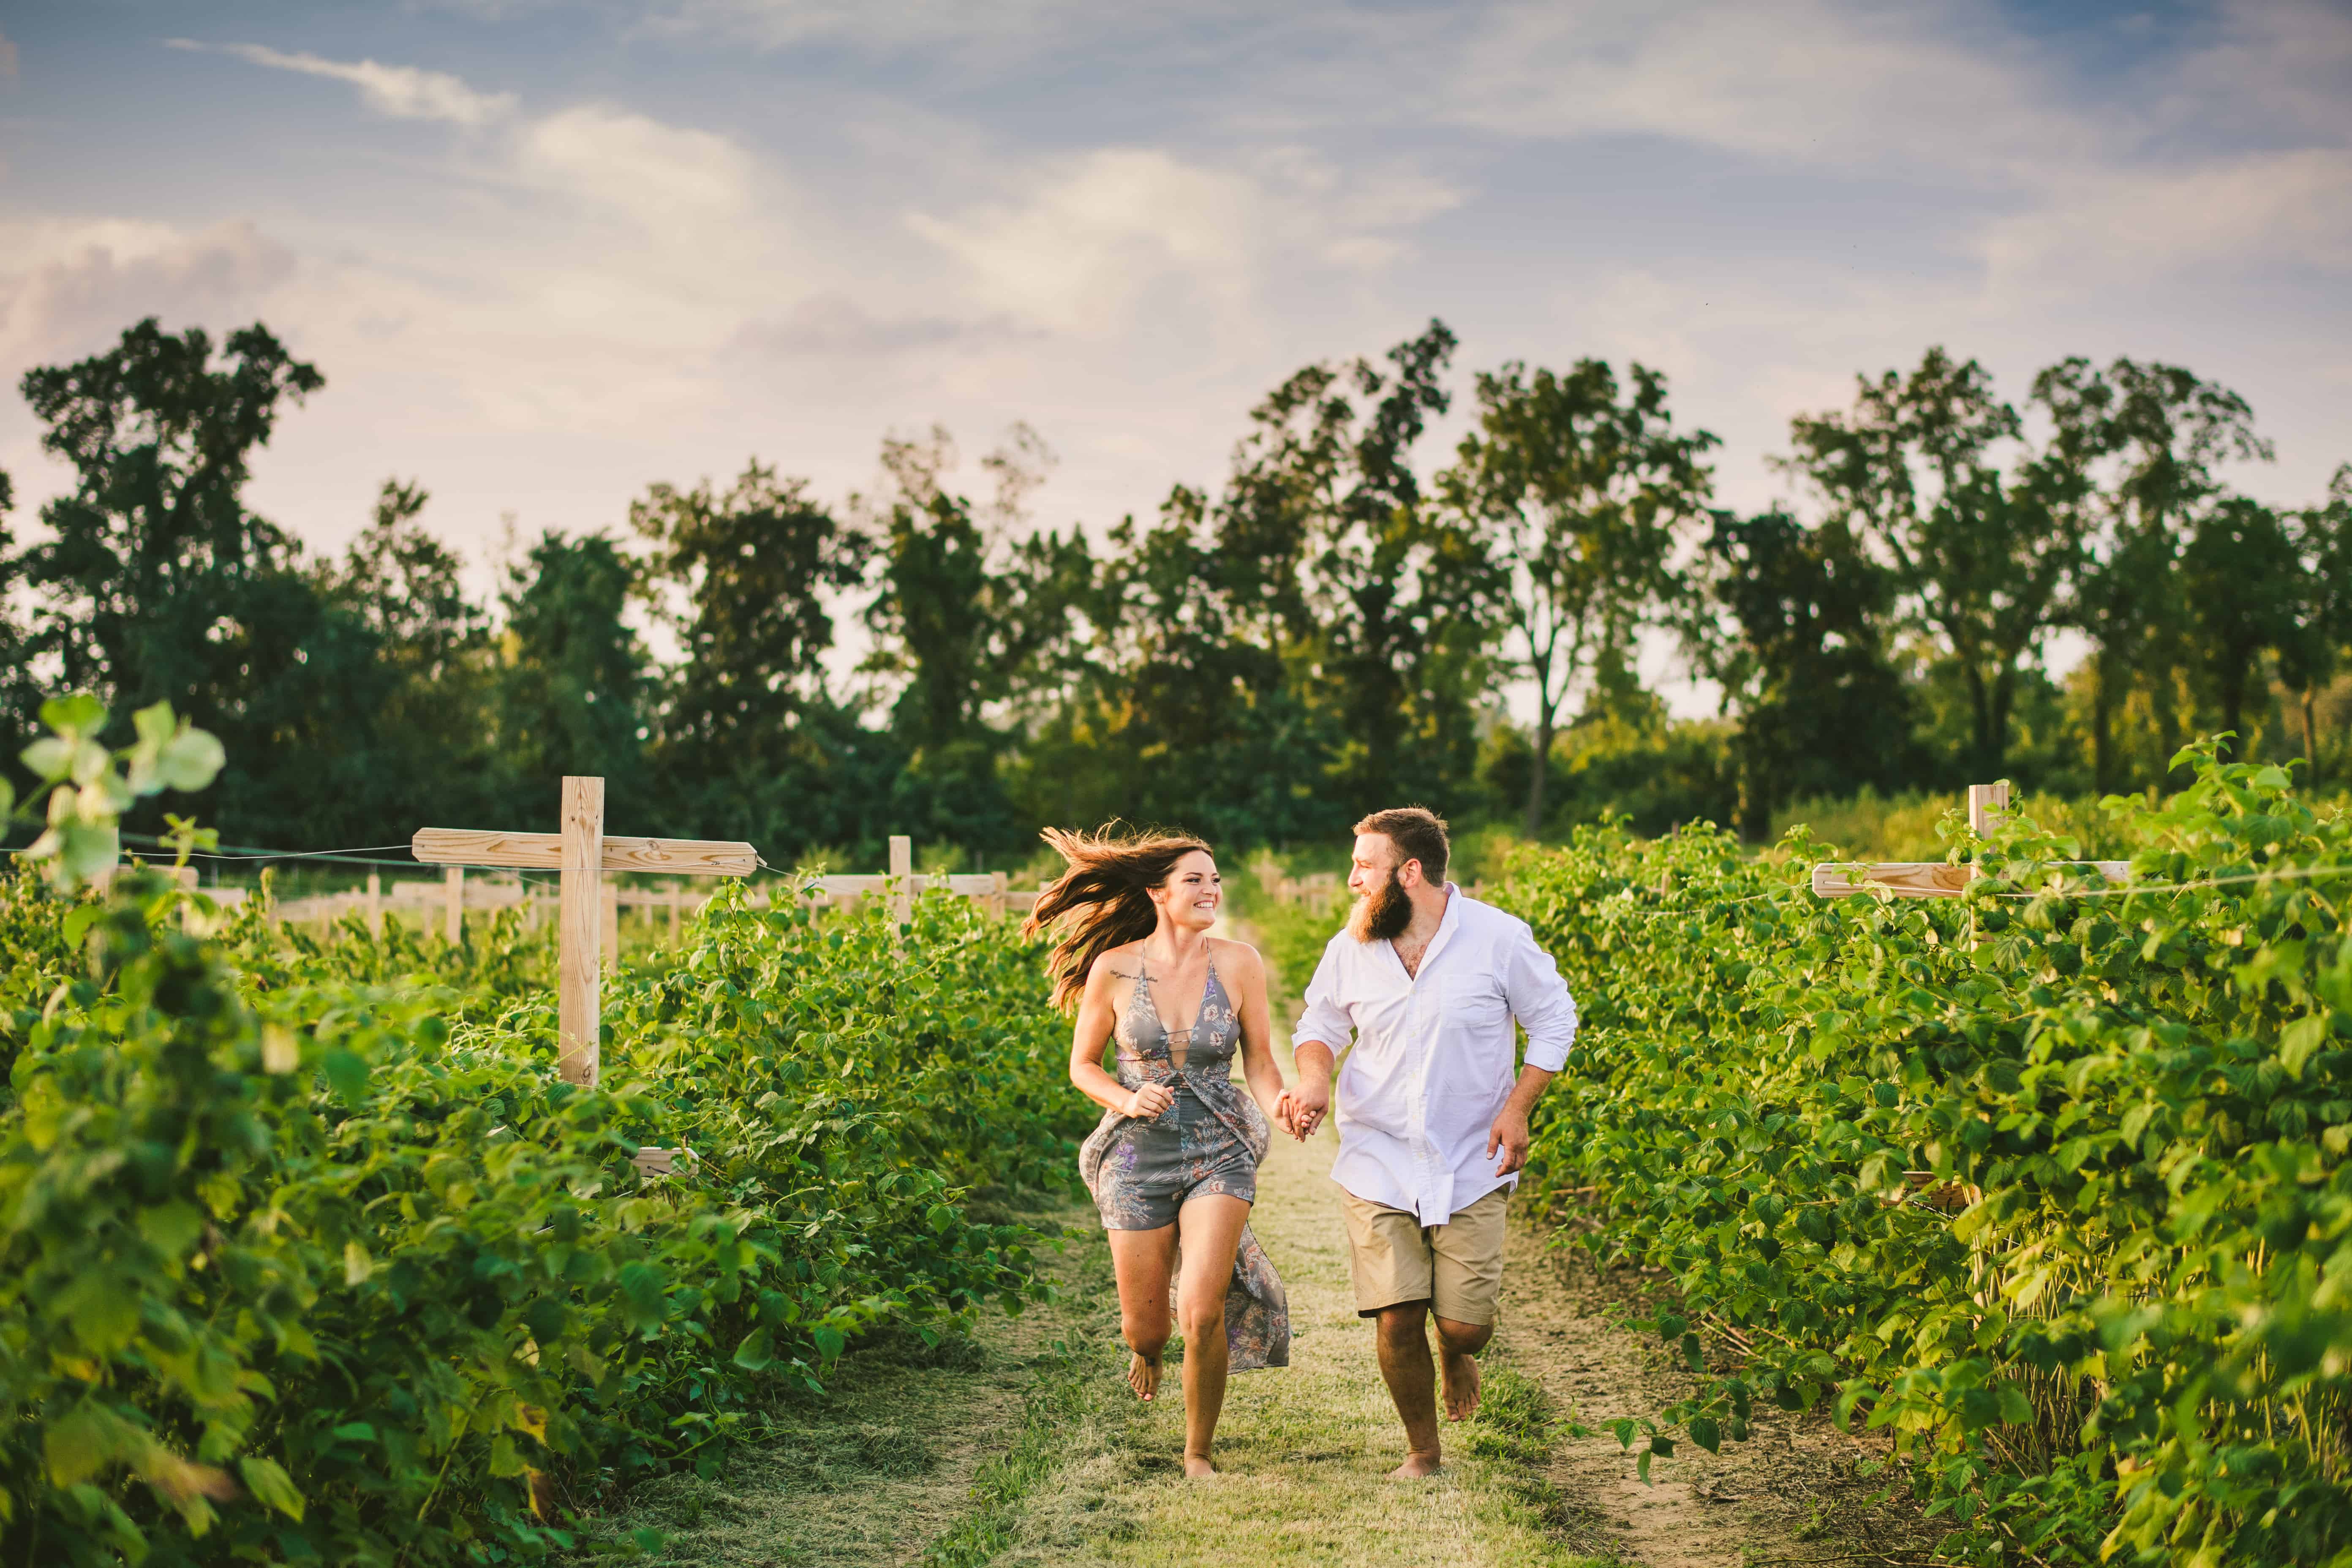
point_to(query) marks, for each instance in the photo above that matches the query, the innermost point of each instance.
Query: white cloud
(403, 93)
(659, 175)
(74, 285)
(2095, 230)
(1094, 231)
(1809, 81)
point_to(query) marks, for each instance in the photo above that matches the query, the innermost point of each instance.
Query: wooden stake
(902, 879)
(611, 925)
(375, 904)
(453, 904)
(580, 931)
(676, 905)
(997, 907)
(1987, 805)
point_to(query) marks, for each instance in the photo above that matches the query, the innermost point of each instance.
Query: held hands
(1302, 1107)
(1509, 1134)
(1149, 1101)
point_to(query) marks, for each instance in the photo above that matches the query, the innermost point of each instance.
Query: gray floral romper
(1141, 1169)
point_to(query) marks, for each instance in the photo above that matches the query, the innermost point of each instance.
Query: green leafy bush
(307, 1253)
(2049, 1179)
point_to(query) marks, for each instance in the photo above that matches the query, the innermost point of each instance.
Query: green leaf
(347, 1074)
(506, 1456)
(269, 1483)
(172, 1228)
(829, 1342)
(355, 1432)
(80, 714)
(2299, 1039)
(190, 759)
(78, 1445)
(1706, 1434)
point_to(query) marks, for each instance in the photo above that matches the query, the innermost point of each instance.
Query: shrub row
(307, 1255)
(2050, 1179)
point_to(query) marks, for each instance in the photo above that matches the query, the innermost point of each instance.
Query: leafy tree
(2312, 655)
(1982, 558)
(155, 575)
(2241, 576)
(1329, 553)
(2141, 444)
(1575, 496)
(748, 576)
(971, 623)
(576, 693)
(1794, 627)
(755, 566)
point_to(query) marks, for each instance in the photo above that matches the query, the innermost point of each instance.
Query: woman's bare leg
(1142, 1259)
(1212, 1227)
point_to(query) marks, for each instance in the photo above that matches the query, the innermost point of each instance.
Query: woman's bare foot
(1416, 1467)
(1198, 1468)
(1461, 1373)
(1143, 1377)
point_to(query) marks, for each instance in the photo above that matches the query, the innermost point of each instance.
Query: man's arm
(1540, 1002)
(1509, 1132)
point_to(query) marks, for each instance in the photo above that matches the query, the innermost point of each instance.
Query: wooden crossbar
(1987, 805)
(544, 852)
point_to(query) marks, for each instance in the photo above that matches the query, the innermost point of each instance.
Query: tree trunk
(1980, 718)
(1541, 763)
(2233, 705)
(2102, 748)
(2310, 742)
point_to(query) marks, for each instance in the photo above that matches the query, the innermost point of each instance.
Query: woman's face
(1190, 895)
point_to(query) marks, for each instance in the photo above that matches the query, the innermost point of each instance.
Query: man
(1433, 1126)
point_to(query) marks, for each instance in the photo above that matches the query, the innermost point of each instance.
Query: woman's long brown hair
(1103, 901)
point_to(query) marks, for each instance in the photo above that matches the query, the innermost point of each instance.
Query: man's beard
(1382, 914)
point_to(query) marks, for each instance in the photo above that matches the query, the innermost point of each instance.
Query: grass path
(1305, 1449)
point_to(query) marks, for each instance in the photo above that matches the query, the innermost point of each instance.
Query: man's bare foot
(1461, 1386)
(1143, 1377)
(1416, 1467)
(1198, 1468)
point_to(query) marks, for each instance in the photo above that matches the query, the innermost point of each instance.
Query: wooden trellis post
(582, 853)
(902, 879)
(1987, 805)
(453, 904)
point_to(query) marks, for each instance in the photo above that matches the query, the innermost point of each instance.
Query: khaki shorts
(1456, 1268)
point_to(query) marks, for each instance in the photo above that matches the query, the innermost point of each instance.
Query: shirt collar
(1447, 924)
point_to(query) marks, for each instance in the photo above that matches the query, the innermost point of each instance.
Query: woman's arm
(1256, 1019)
(1097, 1013)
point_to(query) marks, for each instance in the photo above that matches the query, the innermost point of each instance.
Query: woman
(1175, 1158)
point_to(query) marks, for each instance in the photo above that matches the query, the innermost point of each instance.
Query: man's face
(1383, 909)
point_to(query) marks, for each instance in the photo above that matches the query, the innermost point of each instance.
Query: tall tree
(2240, 578)
(2141, 444)
(1795, 625)
(1981, 557)
(750, 573)
(970, 621)
(577, 688)
(1577, 496)
(2314, 652)
(150, 581)
(1329, 553)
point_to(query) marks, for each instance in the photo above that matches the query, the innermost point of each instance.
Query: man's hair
(1418, 832)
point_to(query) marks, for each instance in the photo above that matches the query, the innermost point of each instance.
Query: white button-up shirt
(1432, 1064)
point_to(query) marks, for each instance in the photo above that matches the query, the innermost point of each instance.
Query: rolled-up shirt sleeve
(1539, 1000)
(1324, 1018)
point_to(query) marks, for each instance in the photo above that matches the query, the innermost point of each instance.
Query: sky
(549, 252)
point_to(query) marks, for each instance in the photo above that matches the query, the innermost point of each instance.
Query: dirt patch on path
(1799, 1491)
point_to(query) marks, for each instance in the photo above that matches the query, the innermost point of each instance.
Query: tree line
(1331, 626)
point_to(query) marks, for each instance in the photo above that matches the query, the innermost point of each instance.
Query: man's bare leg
(1403, 1334)
(1457, 1345)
